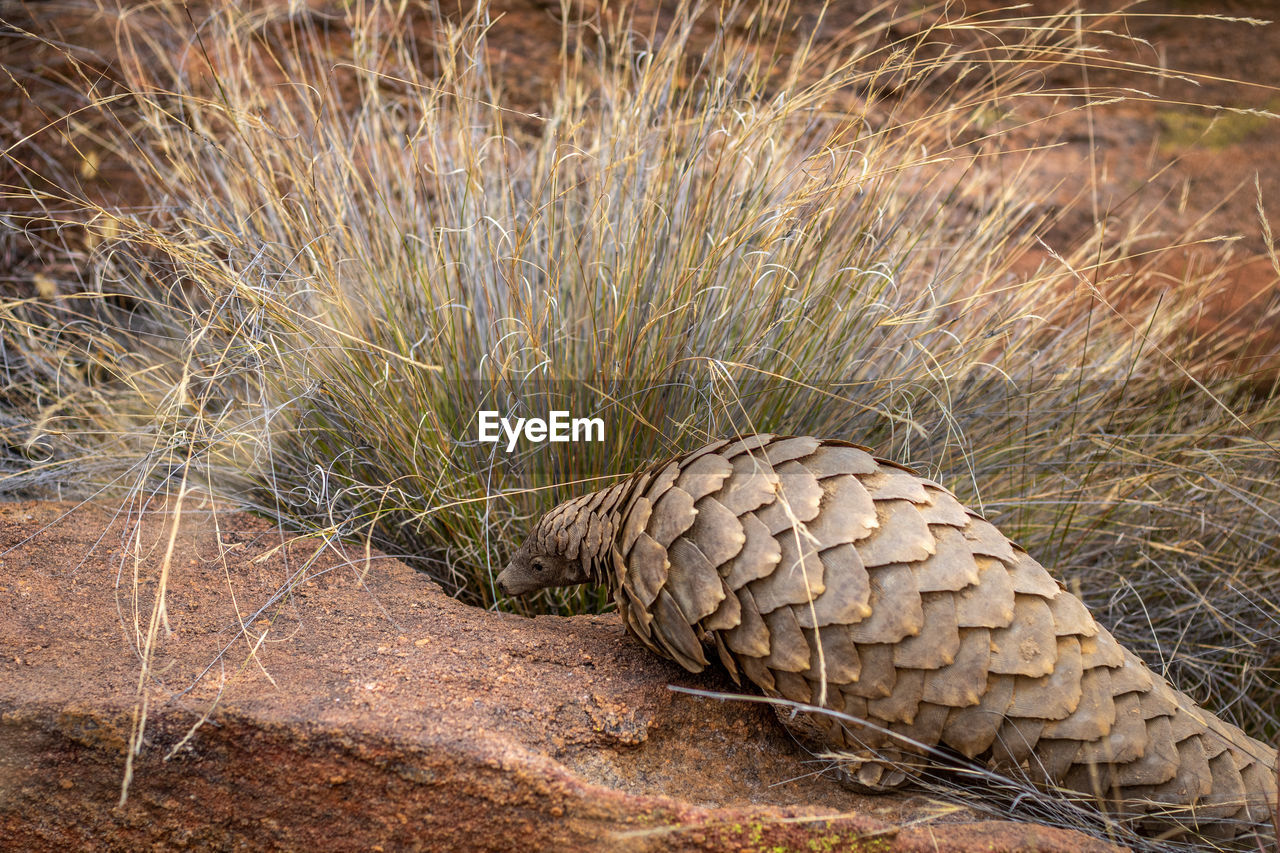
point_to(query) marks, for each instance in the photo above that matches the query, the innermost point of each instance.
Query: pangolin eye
(538, 564)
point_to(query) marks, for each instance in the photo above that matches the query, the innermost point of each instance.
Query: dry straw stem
(354, 238)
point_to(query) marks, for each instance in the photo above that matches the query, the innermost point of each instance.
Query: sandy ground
(306, 696)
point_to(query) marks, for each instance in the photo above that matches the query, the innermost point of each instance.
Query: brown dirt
(376, 713)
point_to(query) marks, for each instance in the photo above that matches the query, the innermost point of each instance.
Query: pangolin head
(571, 544)
(536, 566)
(555, 552)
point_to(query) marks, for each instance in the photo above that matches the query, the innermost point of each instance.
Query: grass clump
(353, 238)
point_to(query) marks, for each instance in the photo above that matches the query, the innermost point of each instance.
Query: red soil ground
(366, 710)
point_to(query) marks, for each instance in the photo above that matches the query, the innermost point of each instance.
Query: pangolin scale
(826, 576)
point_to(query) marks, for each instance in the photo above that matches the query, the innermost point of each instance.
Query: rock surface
(305, 696)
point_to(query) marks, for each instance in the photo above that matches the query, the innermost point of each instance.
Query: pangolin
(829, 577)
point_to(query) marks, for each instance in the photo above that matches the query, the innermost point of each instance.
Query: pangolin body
(826, 576)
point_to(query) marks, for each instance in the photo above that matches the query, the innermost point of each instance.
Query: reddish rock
(362, 709)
